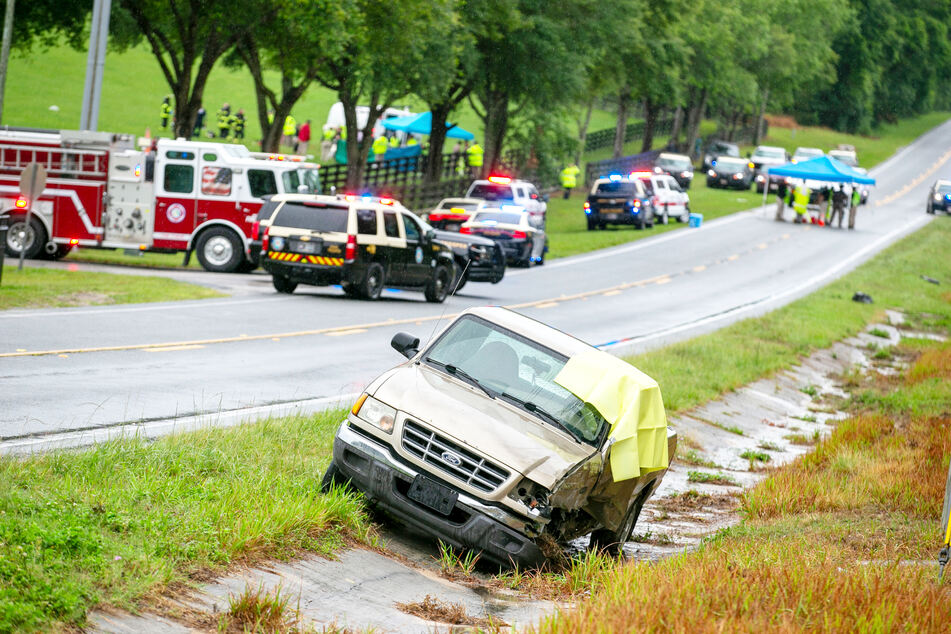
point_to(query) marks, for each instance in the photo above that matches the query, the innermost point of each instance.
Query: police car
(521, 237)
(361, 244)
(619, 200)
(450, 213)
(504, 190)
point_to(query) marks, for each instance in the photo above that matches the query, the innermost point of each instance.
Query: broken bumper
(383, 478)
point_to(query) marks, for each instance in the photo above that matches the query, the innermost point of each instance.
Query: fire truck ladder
(63, 162)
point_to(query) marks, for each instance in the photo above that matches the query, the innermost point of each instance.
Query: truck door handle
(162, 205)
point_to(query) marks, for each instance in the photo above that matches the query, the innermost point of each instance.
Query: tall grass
(114, 523)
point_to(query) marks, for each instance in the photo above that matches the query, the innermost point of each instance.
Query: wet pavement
(778, 416)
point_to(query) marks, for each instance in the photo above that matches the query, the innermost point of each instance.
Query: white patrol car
(512, 228)
(670, 200)
(502, 190)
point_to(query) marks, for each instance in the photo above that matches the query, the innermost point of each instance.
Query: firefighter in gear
(856, 200)
(569, 178)
(237, 124)
(380, 144)
(166, 112)
(223, 117)
(801, 202)
(474, 156)
(839, 200)
(289, 131)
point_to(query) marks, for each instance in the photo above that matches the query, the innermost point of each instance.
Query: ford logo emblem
(451, 458)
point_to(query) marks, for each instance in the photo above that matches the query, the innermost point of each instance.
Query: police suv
(363, 245)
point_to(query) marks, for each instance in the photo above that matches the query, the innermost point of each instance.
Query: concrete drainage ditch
(725, 447)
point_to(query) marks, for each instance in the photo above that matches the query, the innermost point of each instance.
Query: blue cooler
(695, 220)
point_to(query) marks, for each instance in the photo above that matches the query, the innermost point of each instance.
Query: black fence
(420, 195)
(605, 138)
(623, 165)
(398, 172)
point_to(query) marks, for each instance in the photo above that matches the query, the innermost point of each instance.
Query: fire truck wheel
(283, 284)
(219, 250)
(373, 281)
(35, 237)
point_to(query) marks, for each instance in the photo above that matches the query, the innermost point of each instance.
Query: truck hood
(491, 427)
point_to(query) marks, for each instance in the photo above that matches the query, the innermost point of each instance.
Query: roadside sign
(32, 184)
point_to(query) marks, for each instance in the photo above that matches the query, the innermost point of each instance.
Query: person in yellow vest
(166, 112)
(411, 141)
(223, 117)
(801, 202)
(394, 141)
(289, 131)
(380, 144)
(326, 144)
(569, 178)
(474, 156)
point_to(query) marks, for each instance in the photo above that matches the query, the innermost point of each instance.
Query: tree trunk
(437, 140)
(651, 112)
(758, 129)
(620, 127)
(583, 129)
(677, 127)
(694, 117)
(496, 125)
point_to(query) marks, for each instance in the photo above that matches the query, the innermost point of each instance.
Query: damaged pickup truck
(509, 437)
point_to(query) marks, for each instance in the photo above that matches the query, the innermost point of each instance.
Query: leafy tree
(50, 22)
(187, 38)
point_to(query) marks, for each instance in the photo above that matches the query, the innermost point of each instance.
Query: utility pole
(5, 50)
(95, 64)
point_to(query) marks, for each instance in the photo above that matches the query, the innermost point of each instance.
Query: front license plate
(299, 246)
(609, 216)
(432, 494)
(723, 181)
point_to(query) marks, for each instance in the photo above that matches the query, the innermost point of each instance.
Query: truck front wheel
(220, 250)
(28, 237)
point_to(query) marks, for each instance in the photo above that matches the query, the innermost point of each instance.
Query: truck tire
(283, 284)
(332, 477)
(592, 225)
(35, 237)
(372, 285)
(612, 542)
(438, 288)
(461, 276)
(220, 250)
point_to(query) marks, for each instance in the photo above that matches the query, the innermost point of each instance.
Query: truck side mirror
(406, 344)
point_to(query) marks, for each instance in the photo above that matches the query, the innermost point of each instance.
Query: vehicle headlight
(375, 412)
(477, 252)
(277, 244)
(711, 173)
(686, 174)
(937, 197)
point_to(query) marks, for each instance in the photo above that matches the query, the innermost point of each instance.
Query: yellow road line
(916, 181)
(699, 268)
(733, 258)
(611, 293)
(175, 348)
(546, 305)
(344, 333)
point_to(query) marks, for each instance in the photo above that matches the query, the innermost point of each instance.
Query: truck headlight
(711, 173)
(375, 412)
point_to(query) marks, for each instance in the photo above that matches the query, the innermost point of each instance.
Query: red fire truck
(176, 195)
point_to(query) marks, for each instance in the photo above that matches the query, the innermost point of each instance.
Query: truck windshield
(517, 370)
(492, 191)
(617, 187)
(321, 218)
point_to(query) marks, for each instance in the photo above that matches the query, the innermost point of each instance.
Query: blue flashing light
(713, 163)
(587, 211)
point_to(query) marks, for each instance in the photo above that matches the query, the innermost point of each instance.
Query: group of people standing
(830, 203)
(227, 124)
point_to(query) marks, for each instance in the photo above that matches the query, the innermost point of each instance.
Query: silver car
(473, 441)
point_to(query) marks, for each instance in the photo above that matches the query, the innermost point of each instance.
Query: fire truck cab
(175, 195)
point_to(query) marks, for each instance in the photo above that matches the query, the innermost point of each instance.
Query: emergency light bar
(501, 180)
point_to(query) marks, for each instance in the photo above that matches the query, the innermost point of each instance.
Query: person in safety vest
(237, 124)
(223, 117)
(289, 131)
(856, 200)
(474, 155)
(569, 178)
(801, 202)
(411, 141)
(380, 145)
(166, 111)
(394, 141)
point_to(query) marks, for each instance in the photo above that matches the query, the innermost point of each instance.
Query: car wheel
(592, 225)
(685, 217)
(930, 209)
(333, 477)
(612, 542)
(665, 219)
(220, 250)
(283, 284)
(438, 288)
(461, 279)
(602, 226)
(28, 237)
(373, 281)
(351, 290)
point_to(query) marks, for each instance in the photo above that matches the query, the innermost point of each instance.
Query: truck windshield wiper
(462, 374)
(542, 412)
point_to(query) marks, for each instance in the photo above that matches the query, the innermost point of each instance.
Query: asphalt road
(175, 365)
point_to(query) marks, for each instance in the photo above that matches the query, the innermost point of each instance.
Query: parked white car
(670, 200)
(502, 189)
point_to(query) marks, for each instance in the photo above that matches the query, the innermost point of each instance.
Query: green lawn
(42, 288)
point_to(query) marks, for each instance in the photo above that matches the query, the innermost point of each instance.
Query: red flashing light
(265, 243)
(465, 230)
(21, 203)
(501, 180)
(641, 174)
(73, 242)
(519, 234)
(350, 254)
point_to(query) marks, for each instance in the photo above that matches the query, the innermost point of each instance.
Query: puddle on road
(779, 417)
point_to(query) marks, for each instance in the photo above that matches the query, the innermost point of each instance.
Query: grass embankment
(842, 540)
(43, 288)
(127, 519)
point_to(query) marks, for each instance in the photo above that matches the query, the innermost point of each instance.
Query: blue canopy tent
(821, 168)
(422, 123)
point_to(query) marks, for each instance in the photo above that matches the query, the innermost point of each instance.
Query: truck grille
(430, 447)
